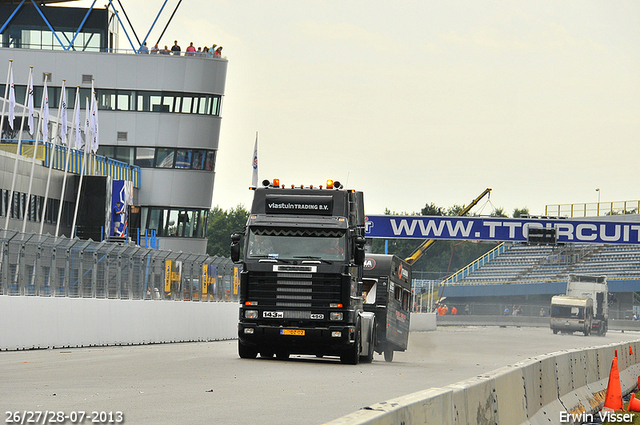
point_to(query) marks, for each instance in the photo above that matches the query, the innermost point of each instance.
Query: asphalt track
(206, 383)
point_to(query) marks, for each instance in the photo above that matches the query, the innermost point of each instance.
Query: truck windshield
(310, 244)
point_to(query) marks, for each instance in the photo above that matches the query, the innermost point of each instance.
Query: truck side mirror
(235, 247)
(359, 254)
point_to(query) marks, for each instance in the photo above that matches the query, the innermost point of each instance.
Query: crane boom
(427, 244)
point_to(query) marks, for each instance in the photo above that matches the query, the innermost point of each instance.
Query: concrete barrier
(422, 322)
(47, 322)
(528, 321)
(541, 390)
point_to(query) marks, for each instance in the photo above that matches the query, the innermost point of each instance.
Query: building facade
(159, 112)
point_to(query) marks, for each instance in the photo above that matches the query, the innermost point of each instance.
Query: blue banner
(499, 229)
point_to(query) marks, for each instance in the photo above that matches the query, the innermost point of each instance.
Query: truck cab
(301, 278)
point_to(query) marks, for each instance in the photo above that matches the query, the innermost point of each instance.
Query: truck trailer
(301, 274)
(571, 314)
(580, 287)
(387, 294)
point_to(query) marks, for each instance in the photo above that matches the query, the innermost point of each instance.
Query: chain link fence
(45, 266)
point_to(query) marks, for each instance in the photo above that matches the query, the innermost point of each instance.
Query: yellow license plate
(299, 332)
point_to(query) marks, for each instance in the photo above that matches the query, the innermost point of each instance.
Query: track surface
(206, 383)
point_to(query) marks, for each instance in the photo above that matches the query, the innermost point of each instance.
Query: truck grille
(294, 289)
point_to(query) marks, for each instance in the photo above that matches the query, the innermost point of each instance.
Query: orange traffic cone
(613, 399)
(634, 404)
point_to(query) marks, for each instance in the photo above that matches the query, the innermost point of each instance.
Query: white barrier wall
(535, 392)
(422, 322)
(43, 322)
(49, 322)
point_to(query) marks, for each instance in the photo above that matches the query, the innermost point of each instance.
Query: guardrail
(98, 164)
(46, 266)
(591, 209)
(541, 390)
(464, 272)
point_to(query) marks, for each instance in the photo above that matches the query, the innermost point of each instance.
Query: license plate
(299, 332)
(273, 314)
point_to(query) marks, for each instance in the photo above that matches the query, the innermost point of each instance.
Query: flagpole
(4, 100)
(254, 165)
(15, 166)
(84, 161)
(75, 125)
(45, 98)
(51, 156)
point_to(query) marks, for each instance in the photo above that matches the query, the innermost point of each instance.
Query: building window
(126, 100)
(199, 157)
(187, 102)
(107, 100)
(124, 154)
(144, 157)
(131, 100)
(211, 161)
(164, 158)
(148, 157)
(173, 222)
(183, 158)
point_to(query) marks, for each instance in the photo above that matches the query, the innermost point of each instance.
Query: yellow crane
(423, 248)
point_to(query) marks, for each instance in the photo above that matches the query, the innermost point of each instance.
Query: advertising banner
(208, 279)
(121, 200)
(289, 204)
(499, 229)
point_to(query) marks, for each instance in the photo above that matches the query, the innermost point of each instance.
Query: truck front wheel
(246, 352)
(352, 355)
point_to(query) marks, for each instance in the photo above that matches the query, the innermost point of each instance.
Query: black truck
(301, 275)
(387, 294)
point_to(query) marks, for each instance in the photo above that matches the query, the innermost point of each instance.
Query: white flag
(76, 119)
(63, 116)
(30, 105)
(45, 115)
(12, 102)
(86, 120)
(254, 165)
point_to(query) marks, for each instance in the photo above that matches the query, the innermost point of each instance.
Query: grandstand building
(529, 275)
(159, 121)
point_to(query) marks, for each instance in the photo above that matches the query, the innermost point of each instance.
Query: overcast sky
(423, 101)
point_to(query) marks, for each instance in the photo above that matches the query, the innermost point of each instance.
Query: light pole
(598, 206)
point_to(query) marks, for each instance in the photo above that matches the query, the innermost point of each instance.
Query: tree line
(441, 259)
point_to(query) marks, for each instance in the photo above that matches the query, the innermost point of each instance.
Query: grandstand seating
(521, 263)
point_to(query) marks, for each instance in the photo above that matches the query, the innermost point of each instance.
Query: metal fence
(45, 266)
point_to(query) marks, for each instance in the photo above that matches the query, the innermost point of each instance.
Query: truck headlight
(251, 314)
(335, 315)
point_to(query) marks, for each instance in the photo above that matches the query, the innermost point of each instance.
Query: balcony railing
(98, 165)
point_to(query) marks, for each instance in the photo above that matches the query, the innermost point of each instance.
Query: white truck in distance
(566, 314)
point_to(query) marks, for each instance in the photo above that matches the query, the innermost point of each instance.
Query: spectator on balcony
(175, 49)
(218, 52)
(191, 51)
(155, 49)
(199, 52)
(144, 49)
(165, 51)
